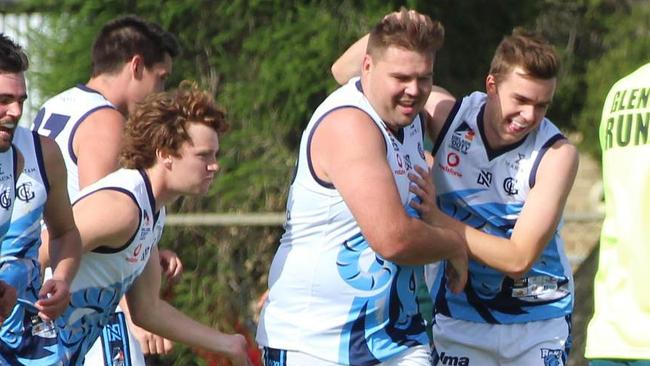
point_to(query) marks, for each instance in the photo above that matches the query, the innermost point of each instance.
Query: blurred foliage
(268, 61)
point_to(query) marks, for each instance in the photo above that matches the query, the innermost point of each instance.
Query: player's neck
(162, 192)
(112, 88)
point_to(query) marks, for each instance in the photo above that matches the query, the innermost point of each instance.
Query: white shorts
(414, 356)
(116, 345)
(459, 342)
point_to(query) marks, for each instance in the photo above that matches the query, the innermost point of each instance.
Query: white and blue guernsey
(20, 342)
(331, 296)
(106, 274)
(486, 189)
(59, 119)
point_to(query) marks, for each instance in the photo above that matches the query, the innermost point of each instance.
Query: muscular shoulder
(352, 122)
(351, 128)
(52, 159)
(107, 217)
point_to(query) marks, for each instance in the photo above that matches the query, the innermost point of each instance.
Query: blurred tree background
(268, 62)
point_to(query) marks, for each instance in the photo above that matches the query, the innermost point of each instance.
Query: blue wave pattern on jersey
(489, 295)
(86, 316)
(24, 236)
(386, 320)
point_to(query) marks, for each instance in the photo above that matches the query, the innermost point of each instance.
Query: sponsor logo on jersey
(133, 258)
(552, 357)
(462, 138)
(447, 360)
(453, 160)
(421, 150)
(484, 178)
(510, 186)
(24, 192)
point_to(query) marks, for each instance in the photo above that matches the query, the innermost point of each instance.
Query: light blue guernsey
(21, 343)
(7, 187)
(486, 189)
(331, 296)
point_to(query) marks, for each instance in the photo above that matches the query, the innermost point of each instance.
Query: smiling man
(504, 193)
(343, 281)
(13, 64)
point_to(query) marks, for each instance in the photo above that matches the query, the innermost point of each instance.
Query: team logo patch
(552, 357)
(510, 186)
(5, 199)
(462, 138)
(24, 192)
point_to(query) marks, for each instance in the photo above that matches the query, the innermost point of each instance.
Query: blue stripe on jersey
(446, 126)
(15, 160)
(77, 123)
(24, 236)
(542, 152)
(311, 135)
(39, 159)
(494, 215)
(110, 250)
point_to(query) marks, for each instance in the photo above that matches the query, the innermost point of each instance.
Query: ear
(491, 84)
(366, 64)
(164, 158)
(136, 65)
